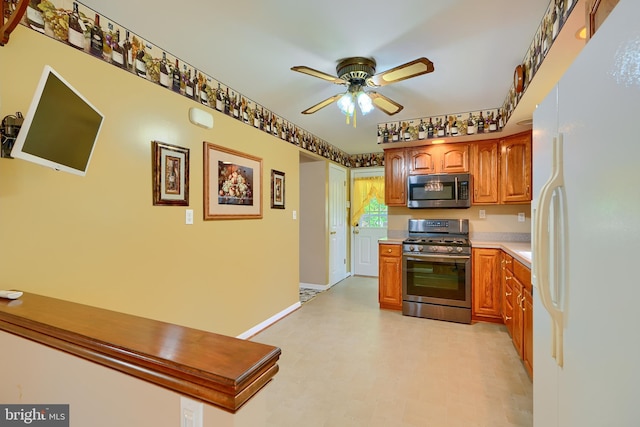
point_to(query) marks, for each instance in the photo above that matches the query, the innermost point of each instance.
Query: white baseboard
(270, 321)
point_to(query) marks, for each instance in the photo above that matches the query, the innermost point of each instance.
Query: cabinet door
(597, 12)
(507, 292)
(515, 169)
(390, 276)
(439, 158)
(527, 333)
(395, 178)
(422, 160)
(517, 315)
(485, 290)
(454, 158)
(485, 172)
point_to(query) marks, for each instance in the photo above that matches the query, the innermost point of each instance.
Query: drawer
(522, 273)
(390, 250)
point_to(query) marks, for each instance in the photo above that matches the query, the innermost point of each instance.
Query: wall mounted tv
(60, 128)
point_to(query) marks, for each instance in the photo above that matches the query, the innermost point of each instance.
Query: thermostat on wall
(200, 118)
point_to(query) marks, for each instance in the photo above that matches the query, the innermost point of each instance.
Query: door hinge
(345, 261)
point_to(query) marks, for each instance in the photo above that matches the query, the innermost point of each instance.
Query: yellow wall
(99, 240)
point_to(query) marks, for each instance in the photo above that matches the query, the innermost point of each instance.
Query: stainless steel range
(436, 270)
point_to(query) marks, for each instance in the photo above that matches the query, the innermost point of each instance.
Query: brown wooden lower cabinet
(390, 276)
(517, 308)
(485, 276)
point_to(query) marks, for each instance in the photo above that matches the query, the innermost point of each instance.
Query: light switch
(483, 214)
(188, 217)
(190, 413)
(295, 215)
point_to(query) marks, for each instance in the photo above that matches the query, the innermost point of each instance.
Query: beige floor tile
(347, 363)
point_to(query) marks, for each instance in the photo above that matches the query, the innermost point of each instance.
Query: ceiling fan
(358, 73)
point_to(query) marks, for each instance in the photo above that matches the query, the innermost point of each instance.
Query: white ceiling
(250, 46)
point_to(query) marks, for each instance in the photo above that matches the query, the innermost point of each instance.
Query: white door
(337, 224)
(365, 250)
(371, 228)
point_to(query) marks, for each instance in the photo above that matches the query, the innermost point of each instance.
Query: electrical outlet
(295, 215)
(190, 413)
(483, 214)
(188, 217)
(521, 217)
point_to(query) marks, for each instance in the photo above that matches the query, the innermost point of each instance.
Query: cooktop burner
(440, 236)
(437, 241)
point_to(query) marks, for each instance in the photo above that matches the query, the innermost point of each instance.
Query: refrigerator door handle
(543, 220)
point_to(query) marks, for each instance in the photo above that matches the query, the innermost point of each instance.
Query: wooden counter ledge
(217, 369)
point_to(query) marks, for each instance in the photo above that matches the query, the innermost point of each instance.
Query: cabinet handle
(507, 294)
(508, 277)
(389, 250)
(507, 318)
(333, 232)
(507, 261)
(518, 300)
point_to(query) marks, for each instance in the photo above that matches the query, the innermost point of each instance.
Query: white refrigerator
(586, 235)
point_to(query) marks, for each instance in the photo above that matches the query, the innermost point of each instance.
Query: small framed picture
(277, 189)
(170, 175)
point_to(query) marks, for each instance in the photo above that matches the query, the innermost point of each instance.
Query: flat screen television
(60, 128)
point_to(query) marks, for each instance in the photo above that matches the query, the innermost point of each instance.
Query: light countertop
(519, 250)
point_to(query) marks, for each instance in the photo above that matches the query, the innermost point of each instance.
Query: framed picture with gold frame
(232, 184)
(170, 174)
(277, 189)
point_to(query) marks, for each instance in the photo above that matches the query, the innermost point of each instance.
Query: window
(375, 215)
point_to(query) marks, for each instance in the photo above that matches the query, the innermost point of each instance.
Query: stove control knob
(433, 249)
(420, 248)
(449, 249)
(459, 249)
(411, 248)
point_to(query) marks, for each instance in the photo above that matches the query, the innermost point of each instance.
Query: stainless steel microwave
(439, 191)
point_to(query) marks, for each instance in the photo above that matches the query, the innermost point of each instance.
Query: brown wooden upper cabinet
(501, 168)
(395, 177)
(439, 158)
(515, 168)
(597, 11)
(485, 172)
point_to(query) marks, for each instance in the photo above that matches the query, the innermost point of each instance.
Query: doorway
(369, 219)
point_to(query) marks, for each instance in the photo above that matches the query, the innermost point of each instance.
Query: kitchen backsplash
(500, 220)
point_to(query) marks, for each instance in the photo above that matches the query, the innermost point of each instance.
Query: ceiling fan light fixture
(346, 104)
(365, 103)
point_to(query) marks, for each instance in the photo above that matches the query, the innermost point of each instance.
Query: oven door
(436, 279)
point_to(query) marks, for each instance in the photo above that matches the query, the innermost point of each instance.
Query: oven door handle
(436, 258)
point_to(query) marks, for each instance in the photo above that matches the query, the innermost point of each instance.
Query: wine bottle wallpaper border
(82, 28)
(490, 120)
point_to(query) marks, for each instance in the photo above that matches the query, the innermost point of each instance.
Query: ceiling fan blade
(315, 73)
(322, 104)
(401, 72)
(385, 104)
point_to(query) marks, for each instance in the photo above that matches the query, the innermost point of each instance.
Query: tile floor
(347, 363)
